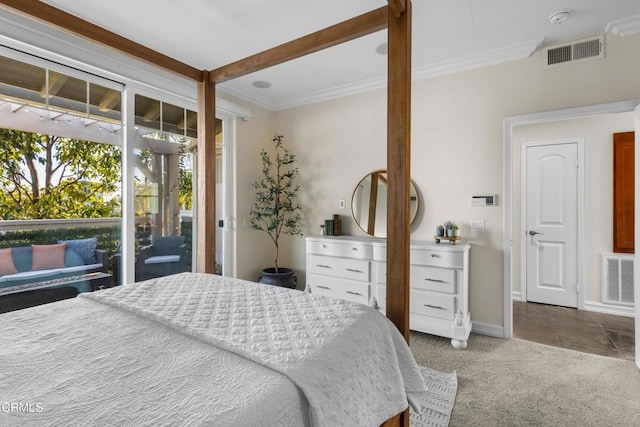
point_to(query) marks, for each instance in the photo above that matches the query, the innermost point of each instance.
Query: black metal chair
(165, 256)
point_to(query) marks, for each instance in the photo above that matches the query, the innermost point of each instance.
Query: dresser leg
(459, 345)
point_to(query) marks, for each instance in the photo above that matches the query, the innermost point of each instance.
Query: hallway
(586, 331)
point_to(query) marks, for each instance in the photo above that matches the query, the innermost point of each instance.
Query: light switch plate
(477, 225)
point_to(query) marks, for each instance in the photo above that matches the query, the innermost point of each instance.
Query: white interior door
(551, 223)
(636, 262)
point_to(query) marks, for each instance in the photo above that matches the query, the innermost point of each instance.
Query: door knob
(533, 233)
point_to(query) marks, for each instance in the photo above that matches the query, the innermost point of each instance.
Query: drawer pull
(353, 270)
(435, 256)
(323, 266)
(434, 280)
(435, 306)
(322, 287)
(353, 293)
(323, 246)
(354, 249)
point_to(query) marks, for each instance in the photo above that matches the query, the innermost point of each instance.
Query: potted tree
(275, 210)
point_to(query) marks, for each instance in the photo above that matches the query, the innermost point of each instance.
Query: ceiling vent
(579, 50)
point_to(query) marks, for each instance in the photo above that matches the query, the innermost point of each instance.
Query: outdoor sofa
(31, 267)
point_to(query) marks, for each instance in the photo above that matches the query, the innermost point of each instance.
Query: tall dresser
(354, 268)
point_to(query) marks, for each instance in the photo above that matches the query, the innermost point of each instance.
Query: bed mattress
(195, 349)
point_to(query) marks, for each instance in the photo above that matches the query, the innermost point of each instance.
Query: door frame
(579, 219)
(508, 124)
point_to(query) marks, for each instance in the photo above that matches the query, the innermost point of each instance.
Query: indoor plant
(451, 228)
(275, 210)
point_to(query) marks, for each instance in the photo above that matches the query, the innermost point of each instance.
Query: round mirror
(369, 203)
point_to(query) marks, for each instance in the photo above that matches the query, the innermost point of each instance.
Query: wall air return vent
(617, 279)
(579, 50)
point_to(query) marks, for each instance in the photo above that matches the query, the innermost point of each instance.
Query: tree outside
(51, 177)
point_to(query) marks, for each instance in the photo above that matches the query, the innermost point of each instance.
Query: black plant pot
(284, 277)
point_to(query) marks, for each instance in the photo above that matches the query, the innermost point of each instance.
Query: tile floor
(580, 330)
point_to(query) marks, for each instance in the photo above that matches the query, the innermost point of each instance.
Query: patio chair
(166, 255)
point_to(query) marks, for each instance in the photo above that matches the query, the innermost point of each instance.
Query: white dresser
(354, 268)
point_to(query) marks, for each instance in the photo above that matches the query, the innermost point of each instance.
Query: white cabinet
(337, 267)
(354, 268)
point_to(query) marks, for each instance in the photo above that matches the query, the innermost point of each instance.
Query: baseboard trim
(609, 309)
(488, 329)
(516, 296)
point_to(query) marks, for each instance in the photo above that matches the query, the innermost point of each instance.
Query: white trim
(517, 296)
(580, 215)
(228, 231)
(226, 108)
(25, 34)
(128, 231)
(488, 329)
(625, 26)
(636, 261)
(41, 43)
(616, 310)
(477, 60)
(508, 124)
(481, 59)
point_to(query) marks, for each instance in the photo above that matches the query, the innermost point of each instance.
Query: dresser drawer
(340, 288)
(346, 268)
(436, 258)
(433, 279)
(442, 306)
(340, 249)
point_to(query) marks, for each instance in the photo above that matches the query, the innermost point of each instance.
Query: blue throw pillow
(72, 259)
(86, 248)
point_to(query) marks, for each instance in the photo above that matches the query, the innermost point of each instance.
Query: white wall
(457, 137)
(597, 132)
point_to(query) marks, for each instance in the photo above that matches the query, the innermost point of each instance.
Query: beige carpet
(521, 383)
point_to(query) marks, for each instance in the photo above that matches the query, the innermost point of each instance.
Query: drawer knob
(323, 246)
(435, 256)
(322, 287)
(353, 293)
(434, 280)
(435, 306)
(353, 270)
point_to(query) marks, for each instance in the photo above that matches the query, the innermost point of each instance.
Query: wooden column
(399, 171)
(206, 238)
(398, 167)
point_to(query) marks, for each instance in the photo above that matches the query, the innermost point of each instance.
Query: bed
(200, 349)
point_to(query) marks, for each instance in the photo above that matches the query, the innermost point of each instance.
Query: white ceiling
(448, 35)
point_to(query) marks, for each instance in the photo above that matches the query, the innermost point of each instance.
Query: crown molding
(624, 27)
(481, 59)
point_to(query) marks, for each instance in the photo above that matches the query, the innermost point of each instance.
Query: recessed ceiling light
(559, 17)
(261, 84)
(382, 49)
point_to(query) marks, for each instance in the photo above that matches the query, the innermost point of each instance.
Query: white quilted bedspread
(342, 355)
(349, 361)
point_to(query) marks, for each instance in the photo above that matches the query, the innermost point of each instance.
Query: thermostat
(484, 200)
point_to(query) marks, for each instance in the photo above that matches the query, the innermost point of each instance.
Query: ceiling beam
(351, 29)
(86, 29)
(109, 100)
(56, 81)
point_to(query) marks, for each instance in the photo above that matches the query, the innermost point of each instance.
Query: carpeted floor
(521, 383)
